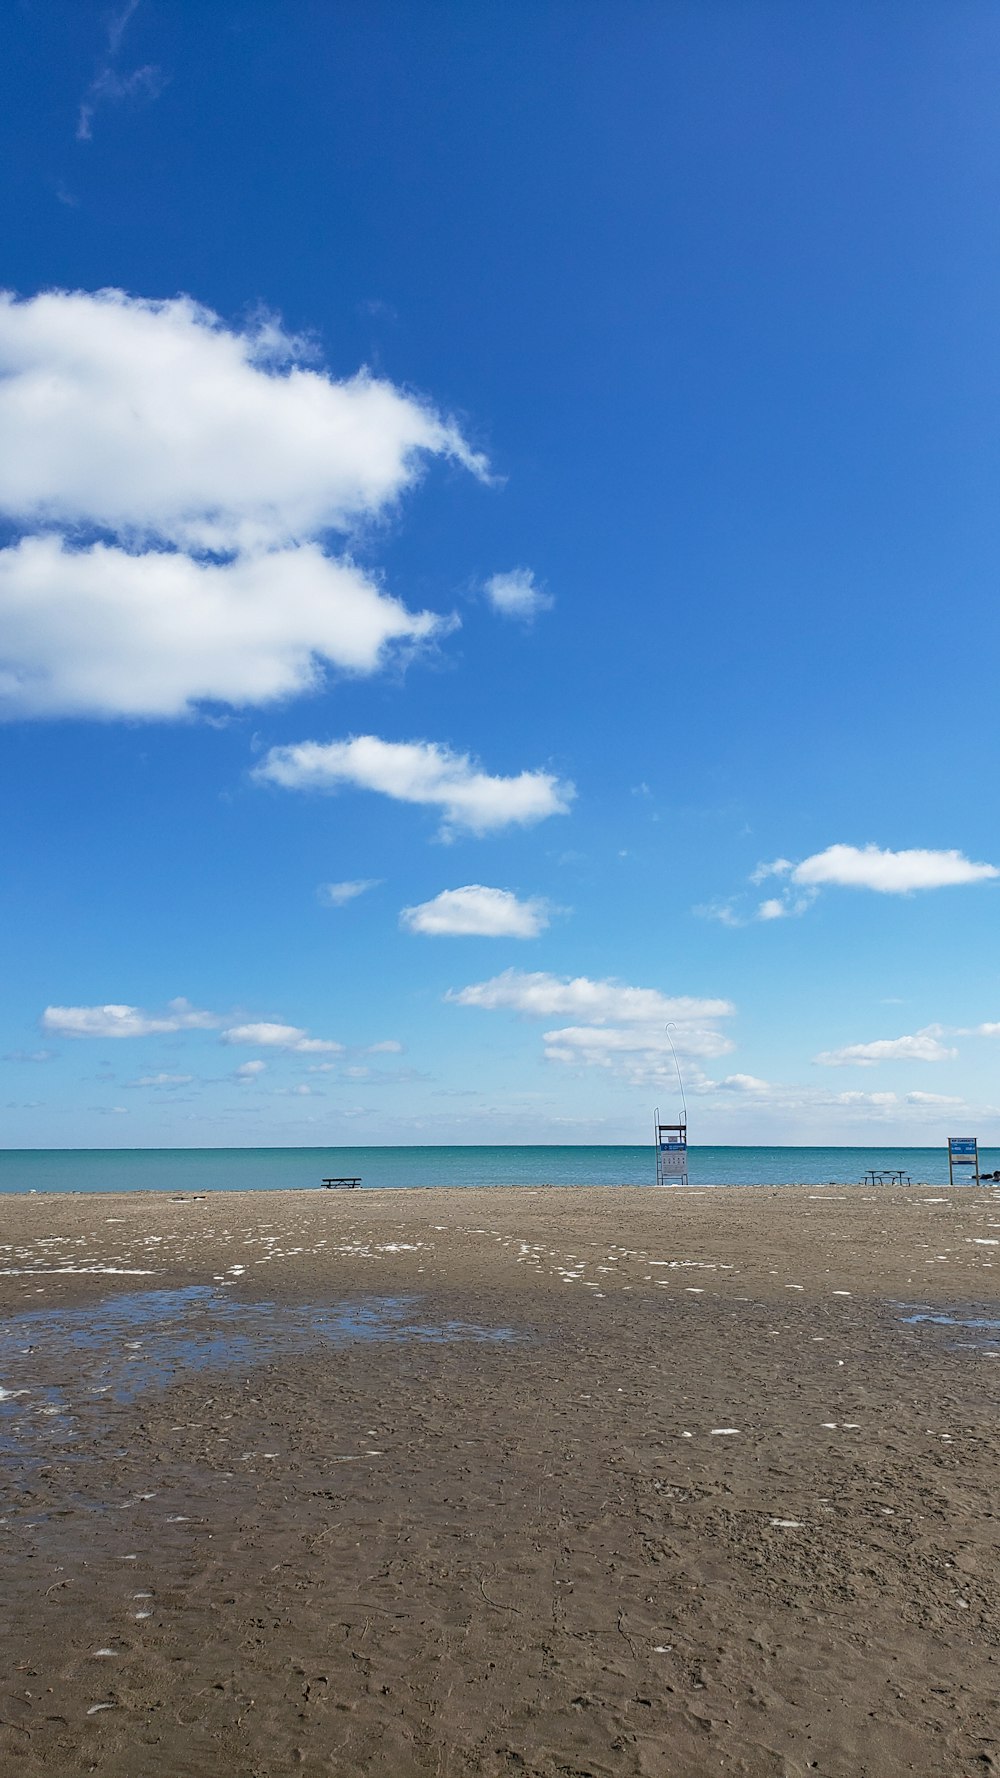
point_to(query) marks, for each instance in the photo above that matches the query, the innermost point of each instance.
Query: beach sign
(963, 1151)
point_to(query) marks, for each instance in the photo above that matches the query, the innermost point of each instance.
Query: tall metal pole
(680, 1082)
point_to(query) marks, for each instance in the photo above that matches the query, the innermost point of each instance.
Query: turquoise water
(262, 1169)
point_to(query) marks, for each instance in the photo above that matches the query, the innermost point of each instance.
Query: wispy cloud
(116, 1021)
(337, 895)
(163, 1080)
(516, 595)
(118, 25)
(111, 85)
(476, 911)
(420, 772)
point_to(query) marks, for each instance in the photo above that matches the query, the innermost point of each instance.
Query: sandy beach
(511, 1481)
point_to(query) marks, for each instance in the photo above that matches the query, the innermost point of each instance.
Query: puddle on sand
(984, 1329)
(57, 1364)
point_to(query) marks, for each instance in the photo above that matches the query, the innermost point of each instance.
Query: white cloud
(888, 873)
(922, 1046)
(932, 1099)
(772, 909)
(544, 996)
(164, 1080)
(158, 440)
(336, 895)
(851, 867)
(125, 1021)
(605, 1044)
(475, 911)
(157, 422)
(250, 1070)
(419, 772)
(744, 1083)
(268, 1035)
(625, 1028)
(878, 1101)
(102, 632)
(390, 1046)
(515, 595)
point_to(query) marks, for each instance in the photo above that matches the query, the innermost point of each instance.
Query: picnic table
(341, 1184)
(892, 1175)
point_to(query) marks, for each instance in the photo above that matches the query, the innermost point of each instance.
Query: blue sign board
(963, 1151)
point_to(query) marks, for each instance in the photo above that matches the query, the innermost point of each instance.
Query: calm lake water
(263, 1169)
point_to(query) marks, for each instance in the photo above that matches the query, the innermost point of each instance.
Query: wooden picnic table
(341, 1184)
(894, 1175)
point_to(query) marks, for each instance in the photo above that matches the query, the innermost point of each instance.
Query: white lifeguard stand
(671, 1152)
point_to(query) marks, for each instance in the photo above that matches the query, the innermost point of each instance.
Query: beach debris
(725, 1432)
(94, 1708)
(787, 1524)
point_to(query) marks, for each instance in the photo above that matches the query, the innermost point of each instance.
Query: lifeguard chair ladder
(671, 1152)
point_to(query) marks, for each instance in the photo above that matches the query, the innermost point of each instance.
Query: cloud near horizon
(624, 1028)
(476, 911)
(173, 481)
(541, 996)
(125, 1021)
(421, 772)
(267, 1034)
(921, 1046)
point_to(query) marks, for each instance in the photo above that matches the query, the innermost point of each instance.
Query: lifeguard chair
(671, 1152)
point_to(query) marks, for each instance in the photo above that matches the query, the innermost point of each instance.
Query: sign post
(963, 1151)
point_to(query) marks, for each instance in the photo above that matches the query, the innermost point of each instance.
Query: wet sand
(533, 1482)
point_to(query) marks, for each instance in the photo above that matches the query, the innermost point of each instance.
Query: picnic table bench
(895, 1176)
(341, 1184)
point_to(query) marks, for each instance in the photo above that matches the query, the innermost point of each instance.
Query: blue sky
(499, 555)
